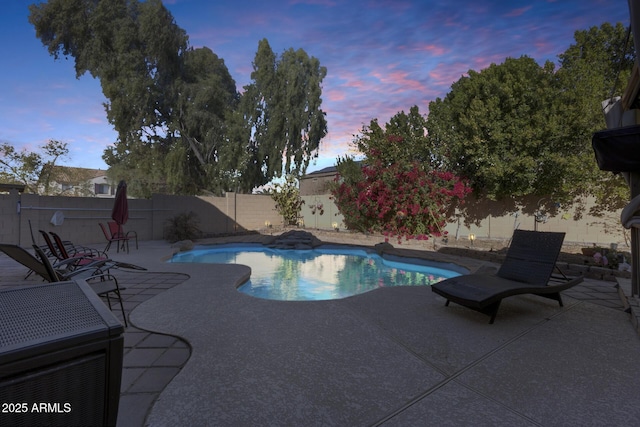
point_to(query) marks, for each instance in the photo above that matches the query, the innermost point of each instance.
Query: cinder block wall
(232, 213)
(81, 218)
(217, 215)
(586, 231)
(241, 212)
(497, 220)
(9, 217)
(254, 210)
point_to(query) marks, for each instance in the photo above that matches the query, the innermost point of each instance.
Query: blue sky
(382, 56)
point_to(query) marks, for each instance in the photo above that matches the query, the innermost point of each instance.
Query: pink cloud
(96, 120)
(335, 95)
(445, 74)
(349, 79)
(518, 12)
(400, 80)
(433, 48)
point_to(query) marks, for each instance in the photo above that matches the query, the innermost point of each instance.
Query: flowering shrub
(288, 200)
(399, 200)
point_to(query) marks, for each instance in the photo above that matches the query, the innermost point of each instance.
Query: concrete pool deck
(394, 356)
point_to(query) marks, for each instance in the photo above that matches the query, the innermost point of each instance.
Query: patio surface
(197, 352)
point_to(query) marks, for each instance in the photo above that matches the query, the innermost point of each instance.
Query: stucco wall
(148, 217)
(496, 220)
(81, 218)
(317, 183)
(217, 215)
(9, 217)
(242, 212)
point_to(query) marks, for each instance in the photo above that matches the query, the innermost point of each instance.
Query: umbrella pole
(121, 235)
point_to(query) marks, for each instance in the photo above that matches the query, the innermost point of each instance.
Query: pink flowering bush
(399, 200)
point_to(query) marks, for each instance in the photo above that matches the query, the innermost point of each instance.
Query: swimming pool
(323, 273)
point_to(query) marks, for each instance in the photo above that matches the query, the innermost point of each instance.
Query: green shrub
(288, 200)
(183, 226)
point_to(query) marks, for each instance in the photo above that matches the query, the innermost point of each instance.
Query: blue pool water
(318, 274)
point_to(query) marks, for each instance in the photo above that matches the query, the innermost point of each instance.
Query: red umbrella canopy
(120, 212)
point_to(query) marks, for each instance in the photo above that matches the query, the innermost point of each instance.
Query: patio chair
(103, 284)
(58, 260)
(114, 238)
(118, 231)
(19, 254)
(527, 269)
(53, 252)
(89, 259)
(44, 247)
(83, 255)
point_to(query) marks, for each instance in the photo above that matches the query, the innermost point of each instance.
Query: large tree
(595, 68)
(175, 108)
(403, 139)
(282, 112)
(183, 152)
(519, 129)
(494, 128)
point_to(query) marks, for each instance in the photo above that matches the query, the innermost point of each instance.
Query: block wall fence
(236, 213)
(496, 220)
(230, 214)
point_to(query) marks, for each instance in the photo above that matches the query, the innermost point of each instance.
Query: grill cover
(61, 354)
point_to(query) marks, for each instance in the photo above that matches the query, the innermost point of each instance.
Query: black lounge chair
(527, 269)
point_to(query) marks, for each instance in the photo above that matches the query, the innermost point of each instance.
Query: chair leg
(492, 311)
(124, 316)
(117, 292)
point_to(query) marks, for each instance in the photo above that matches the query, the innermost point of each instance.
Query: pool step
(294, 239)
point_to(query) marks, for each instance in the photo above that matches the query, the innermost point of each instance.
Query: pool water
(316, 274)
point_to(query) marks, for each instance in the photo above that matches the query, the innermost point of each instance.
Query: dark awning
(618, 150)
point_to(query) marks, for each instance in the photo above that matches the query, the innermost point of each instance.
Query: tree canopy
(518, 129)
(403, 139)
(182, 125)
(282, 113)
(38, 170)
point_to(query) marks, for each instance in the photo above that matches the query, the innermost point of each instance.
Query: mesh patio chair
(117, 231)
(103, 283)
(111, 238)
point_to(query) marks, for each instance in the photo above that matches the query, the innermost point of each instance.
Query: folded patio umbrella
(120, 211)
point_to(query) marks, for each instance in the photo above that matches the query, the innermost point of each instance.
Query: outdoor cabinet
(61, 355)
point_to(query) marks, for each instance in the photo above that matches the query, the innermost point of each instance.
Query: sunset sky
(382, 56)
